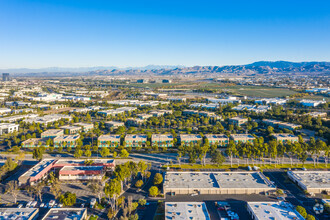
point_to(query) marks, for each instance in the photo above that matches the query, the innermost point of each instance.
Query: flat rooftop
(39, 167)
(274, 210)
(82, 168)
(223, 180)
(216, 136)
(239, 136)
(18, 213)
(66, 214)
(284, 135)
(52, 132)
(109, 136)
(81, 162)
(312, 179)
(67, 137)
(186, 210)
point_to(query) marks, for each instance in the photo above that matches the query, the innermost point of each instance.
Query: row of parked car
(34, 204)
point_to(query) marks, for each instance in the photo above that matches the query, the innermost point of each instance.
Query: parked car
(51, 203)
(42, 205)
(60, 205)
(28, 204)
(34, 203)
(20, 206)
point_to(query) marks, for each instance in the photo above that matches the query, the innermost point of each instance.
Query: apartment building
(220, 140)
(66, 140)
(135, 140)
(109, 140)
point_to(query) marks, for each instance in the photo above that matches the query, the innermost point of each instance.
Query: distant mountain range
(261, 67)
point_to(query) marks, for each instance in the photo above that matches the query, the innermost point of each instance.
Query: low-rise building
(113, 124)
(6, 128)
(238, 121)
(144, 116)
(4, 111)
(135, 140)
(109, 140)
(34, 142)
(162, 140)
(86, 127)
(66, 214)
(68, 129)
(281, 125)
(284, 137)
(312, 103)
(311, 181)
(317, 114)
(159, 113)
(243, 138)
(186, 210)
(216, 183)
(273, 210)
(205, 105)
(19, 213)
(81, 173)
(36, 173)
(186, 139)
(134, 122)
(66, 140)
(189, 112)
(220, 140)
(52, 133)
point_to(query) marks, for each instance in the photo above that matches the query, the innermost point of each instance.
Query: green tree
(105, 152)
(37, 153)
(124, 153)
(302, 211)
(78, 153)
(138, 184)
(88, 153)
(158, 179)
(217, 158)
(153, 191)
(68, 199)
(310, 217)
(142, 202)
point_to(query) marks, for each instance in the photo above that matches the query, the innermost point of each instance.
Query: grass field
(267, 166)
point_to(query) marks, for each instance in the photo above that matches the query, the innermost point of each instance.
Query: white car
(28, 204)
(20, 206)
(42, 205)
(60, 205)
(34, 203)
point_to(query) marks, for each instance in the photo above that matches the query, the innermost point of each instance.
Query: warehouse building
(273, 210)
(186, 210)
(311, 181)
(19, 213)
(66, 214)
(216, 183)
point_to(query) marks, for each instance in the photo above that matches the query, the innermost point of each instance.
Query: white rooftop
(313, 179)
(274, 210)
(186, 210)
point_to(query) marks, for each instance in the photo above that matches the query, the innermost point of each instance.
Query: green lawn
(267, 166)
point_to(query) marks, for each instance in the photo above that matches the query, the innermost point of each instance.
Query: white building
(6, 128)
(312, 103)
(273, 210)
(186, 210)
(311, 181)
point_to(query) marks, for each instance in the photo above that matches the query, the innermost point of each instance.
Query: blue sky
(81, 33)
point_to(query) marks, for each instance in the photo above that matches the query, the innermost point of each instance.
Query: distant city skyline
(86, 33)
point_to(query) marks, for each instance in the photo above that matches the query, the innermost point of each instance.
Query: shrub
(302, 211)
